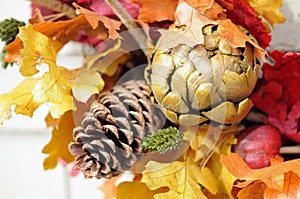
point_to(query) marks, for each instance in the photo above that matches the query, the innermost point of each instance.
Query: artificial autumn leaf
(241, 13)
(253, 191)
(88, 80)
(51, 88)
(277, 93)
(237, 38)
(61, 31)
(291, 188)
(192, 21)
(93, 18)
(156, 10)
(87, 84)
(269, 9)
(272, 176)
(183, 178)
(57, 147)
(109, 188)
(225, 179)
(139, 190)
(38, 49)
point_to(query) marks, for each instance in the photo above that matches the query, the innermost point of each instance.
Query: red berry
(258, 144)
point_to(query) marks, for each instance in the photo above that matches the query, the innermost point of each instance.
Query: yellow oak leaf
(269, 9)
(225, 179)
(88, 80)
(57, 148)
(135, 190)
(183, 178)
(22, 97)
(38, 49)
(51, 87)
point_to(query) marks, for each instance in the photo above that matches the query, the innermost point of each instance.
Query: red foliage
(278, 93)
(257, 145)
(241, 13)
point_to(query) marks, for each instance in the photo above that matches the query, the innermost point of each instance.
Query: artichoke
(205, 82)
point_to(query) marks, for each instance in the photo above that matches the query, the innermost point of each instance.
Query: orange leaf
(201, 5)
(62, 31)
(93, 18)
(272, 176)
(156, 10)
(109, 187)
(58, 145)
(291, 188)
(237, 38)
(253, 191)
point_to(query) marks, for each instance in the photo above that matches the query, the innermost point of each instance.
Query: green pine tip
(164, 140)
(9, 28)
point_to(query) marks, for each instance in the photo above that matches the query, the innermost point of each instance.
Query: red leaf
(278, 93)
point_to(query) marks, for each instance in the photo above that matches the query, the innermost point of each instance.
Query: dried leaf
(109, 188)
(57, 147)
(156, 10)
(269, 9)
(272, 176)
(93, 18)
(183, 178)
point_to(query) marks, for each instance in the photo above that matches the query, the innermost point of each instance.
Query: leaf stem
(129, 23)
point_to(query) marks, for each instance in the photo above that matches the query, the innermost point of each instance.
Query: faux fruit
(258, 144)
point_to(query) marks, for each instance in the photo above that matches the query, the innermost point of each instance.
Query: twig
(290, 149)
(57, 6)
(135, 31)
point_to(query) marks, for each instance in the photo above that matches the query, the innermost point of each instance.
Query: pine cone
(195, 84)
(109, 139)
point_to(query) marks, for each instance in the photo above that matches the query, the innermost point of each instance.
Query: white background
(22, 138)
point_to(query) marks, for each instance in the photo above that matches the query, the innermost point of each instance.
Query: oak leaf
(61, 31)
(183, 178)
(241, 13)
(277, 93)
(156, 10)
(138, 190)
(269, 9)
(57, 148)
(93, 18)
(237, 38)
(274, 177)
